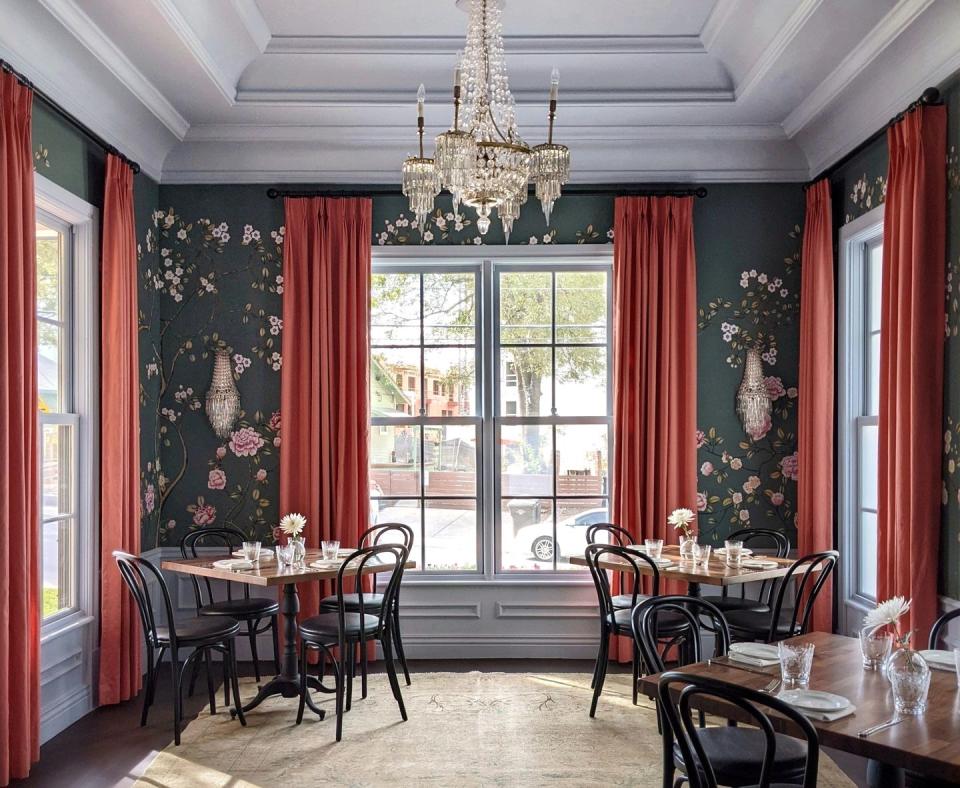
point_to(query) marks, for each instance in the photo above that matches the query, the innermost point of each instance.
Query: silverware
(730, 664)
(772, 687)
(877, 728)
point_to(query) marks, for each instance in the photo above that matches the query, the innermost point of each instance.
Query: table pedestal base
(882, 775)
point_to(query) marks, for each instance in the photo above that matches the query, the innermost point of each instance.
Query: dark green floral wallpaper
(860, 185)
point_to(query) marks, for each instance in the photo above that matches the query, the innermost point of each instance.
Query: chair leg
(635, 669)
(363, 668)
(340, 678)
(601, 672)
(392, 672)
(303, 681)
(252, 636)
(148, 690)
(350, 658)
(175, 674)
(596, 667)
(395, 638)
(276, 643)
(234, 680)
(208, 669)
(194, 675)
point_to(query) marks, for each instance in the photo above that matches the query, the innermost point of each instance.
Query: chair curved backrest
(809, 574)
(219, 536)
(619, 536)
(939, 625)
(138, 573)
(357, 563)
(781, 544)
(677, 711)
(632, 560)
(694, 610)
(376, 534)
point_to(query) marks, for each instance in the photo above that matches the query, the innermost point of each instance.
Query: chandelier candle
(486, 165)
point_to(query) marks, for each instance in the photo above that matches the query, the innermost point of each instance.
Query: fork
(882, 726)
(772, 687)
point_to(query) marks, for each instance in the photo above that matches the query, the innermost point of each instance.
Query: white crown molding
(720, 14)
(514, 45)
(73, 18)
(859, 58)
(772, 54)
(401, 98)
(201, 54)
(256, 26)
(400, 134)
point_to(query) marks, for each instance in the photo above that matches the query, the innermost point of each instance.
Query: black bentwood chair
(750, 538)
(735, 753)
(691, 738)
(202, 634)
(620, 537)
(375, 535)
(346, 629)
(246, 609)
(789, 617)
(616, 621)
(939, 625)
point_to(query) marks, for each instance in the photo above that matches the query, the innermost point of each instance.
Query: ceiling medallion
(482, 160)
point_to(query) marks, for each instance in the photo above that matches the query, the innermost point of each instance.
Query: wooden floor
(108, 747)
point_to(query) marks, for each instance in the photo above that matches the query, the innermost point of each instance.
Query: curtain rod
(90, 133)
(617, 190)
(929, 98)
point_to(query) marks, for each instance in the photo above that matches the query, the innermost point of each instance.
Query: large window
(490, 409)
(59, 420)
(861, 246)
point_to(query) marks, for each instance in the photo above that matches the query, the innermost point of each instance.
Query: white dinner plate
(758, 563)
(723, 551)
(324, 564)
(756, 650)
(814, 700)
(266, 554)
(939, 658)
(234, 564)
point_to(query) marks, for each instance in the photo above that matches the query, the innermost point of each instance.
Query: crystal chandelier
(482, 160)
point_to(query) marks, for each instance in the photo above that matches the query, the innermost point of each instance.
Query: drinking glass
(875, 647)
(796, 659)
(285, 555)
(687, 546)
(909, 677)
(701, 555)
(734, 552)
(251, 551)
(653, 547)
(329, 550)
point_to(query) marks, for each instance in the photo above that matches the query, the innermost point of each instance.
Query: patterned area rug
(464, 729)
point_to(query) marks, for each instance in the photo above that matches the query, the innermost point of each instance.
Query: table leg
(882, 775)
(693, 589)
(287, 682)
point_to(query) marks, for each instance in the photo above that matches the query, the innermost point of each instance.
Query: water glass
(653, 547)
(734, 552)
(329, 550)
(874, 647)
(701, 555)
(286, 555)
(251, 551)
(796, 660)
(687, 545)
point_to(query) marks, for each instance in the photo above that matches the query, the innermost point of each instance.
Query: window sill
(499, 581)
(61, 625)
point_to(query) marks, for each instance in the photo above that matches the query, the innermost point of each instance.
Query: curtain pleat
(816, 384)
(654, 366)
(19, 441)
(120, 665)
(326, 307)
(911, 365)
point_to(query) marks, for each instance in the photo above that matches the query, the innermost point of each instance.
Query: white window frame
(439, 256)
(856, 239)
(82, 221)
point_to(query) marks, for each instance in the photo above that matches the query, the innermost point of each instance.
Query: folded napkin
(827, 716)
(265, 554)
(939, 659)
(323, 563)
(758, 662)
(234, 564)
(758, 563)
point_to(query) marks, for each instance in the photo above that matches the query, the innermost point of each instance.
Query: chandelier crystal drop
(482, 160)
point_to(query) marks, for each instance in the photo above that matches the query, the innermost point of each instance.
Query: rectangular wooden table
(716, 573)
(928, 744)
(271, 574)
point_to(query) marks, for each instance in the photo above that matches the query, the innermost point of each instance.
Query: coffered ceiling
(324, 90)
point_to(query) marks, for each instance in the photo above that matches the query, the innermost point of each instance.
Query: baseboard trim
(67, 711)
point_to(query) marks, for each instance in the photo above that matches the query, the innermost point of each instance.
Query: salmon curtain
(19, 441)
(323, 384)
(120, 664)
(911, 365)
(654, 366)
(815, 409)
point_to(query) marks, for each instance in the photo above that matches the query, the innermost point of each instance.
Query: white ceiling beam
(857, 60)
(256, 26)
(720, 15)
(73, 18)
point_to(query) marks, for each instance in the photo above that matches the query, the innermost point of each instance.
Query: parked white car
(571, 535)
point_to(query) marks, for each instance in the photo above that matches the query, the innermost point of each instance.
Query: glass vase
(688, 548)
(299, 549)
(909, 677)
(875, 645)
